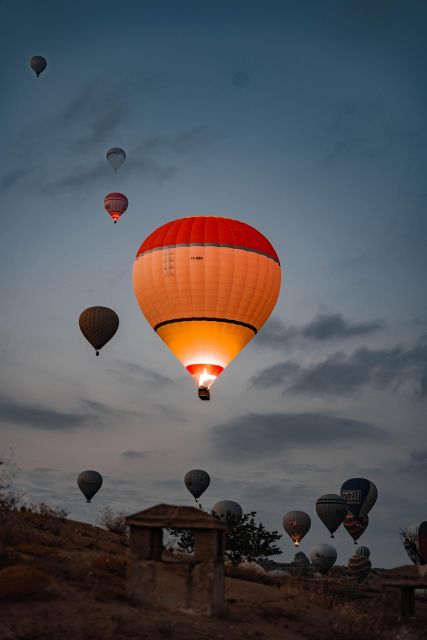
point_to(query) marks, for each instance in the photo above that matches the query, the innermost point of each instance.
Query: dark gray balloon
(89, 483)
(331, 509)
(98, 325)
(197, 481)
(38, 64)
(228, 511)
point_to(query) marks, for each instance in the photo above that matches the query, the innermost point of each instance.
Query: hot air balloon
(331, 509)
(360, 495)
(116, 157)
(38, 64)
(197, 481)
(359, 567)
(89, 483)
(98, 325)
(323, 557)
(414, 539)
(228, 510)
(363, 551)
(116, 204)
(296, 524)
(206, 285)
(300, 560)
(355, 526)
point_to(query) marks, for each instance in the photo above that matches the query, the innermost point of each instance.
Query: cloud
(13, 178)
(254, 434)
(47, 418)
(134, 455)
(417, 464)
(324, 327)
(339, 373)
(150, 377)
(154, 158)
(29, 415)
(332, 326)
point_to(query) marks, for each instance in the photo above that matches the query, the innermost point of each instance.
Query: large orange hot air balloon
(206, 285)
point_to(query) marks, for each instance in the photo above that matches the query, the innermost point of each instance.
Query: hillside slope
(65, 580)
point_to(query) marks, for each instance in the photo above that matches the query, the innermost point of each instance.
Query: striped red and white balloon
(116, 204)
(359, 567)
(355, 526)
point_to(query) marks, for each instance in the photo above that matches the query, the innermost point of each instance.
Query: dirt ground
(64, 580)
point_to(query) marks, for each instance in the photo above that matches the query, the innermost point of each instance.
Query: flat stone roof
(165, 516)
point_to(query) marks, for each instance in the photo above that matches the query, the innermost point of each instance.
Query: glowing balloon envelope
(197, 481)
(115, 204)
(98, 325)
(38, 64)
(89, 483)
(116, 157)
(206, 285)
(296, 524)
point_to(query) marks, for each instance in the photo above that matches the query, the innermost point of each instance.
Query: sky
(304, 119)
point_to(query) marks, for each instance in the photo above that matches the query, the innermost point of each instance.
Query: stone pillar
(145, 543)
(408, 602)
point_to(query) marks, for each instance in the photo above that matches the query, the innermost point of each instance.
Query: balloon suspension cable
(97, 353)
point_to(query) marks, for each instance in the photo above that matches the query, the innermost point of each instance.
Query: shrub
(114, 522)
(245, 540)
(21, 581)
(10, 499)
(45, 517)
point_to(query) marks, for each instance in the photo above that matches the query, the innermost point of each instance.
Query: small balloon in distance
(116, 157)
(197, 481)
(228, 511)
(115, 204)
(89, 483)
(38, 64)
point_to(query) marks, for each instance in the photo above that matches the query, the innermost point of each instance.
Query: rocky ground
(64, 580)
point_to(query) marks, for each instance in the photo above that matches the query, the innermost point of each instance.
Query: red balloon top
(115, 196)
(209, 230)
